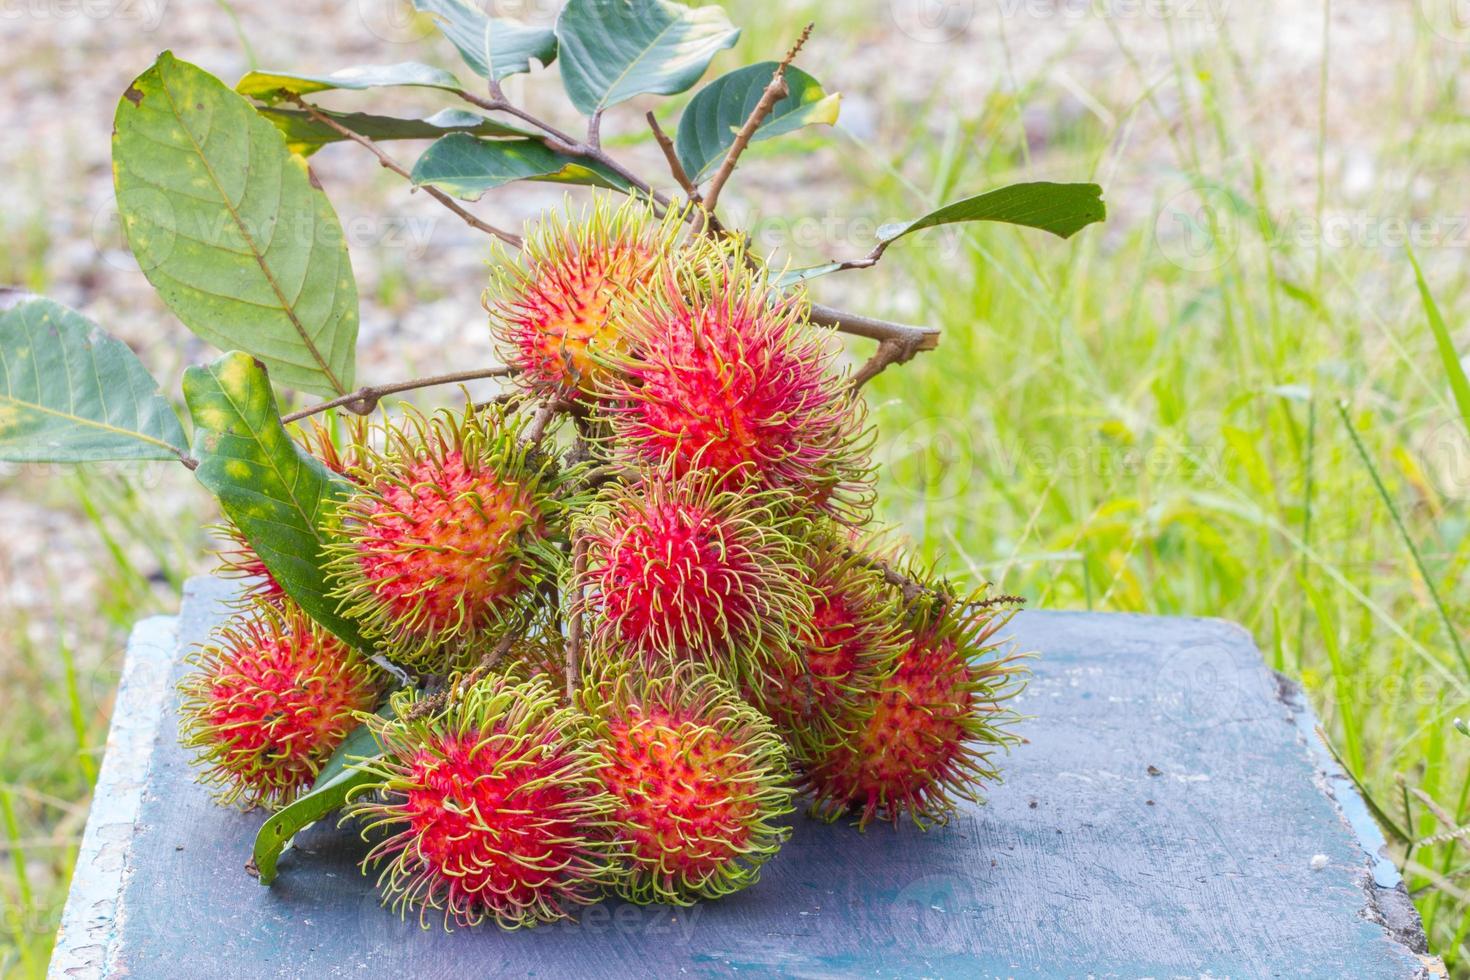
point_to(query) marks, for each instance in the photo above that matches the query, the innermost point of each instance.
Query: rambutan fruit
(822, 695)
(678, 566)
(723, 372)
(452, 527)
(489, 807)
(269, 698)
(701, 781)
(238, 560)
(553, 314)
(935, 723)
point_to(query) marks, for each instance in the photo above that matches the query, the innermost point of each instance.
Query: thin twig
(542, 421)
(903, 341)
(776, 90)
(681, 177)
(910, 588)
(365, 400)
(487, 663)
(890, 351)
(393, 165)
(574, 620)
(566, 144)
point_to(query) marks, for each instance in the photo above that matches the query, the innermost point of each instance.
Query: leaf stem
(388, 162)
(365, 400)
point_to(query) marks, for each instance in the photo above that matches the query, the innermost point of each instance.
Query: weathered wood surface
(1171, 815)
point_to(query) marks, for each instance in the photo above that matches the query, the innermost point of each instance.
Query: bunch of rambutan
(633, 610)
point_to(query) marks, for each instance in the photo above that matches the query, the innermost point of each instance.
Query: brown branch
(920, 338)
(675, 167)
(910, 588)
(365, 400)
(776, 90)
(542, 421)
(565, 143)
(890, 351)
(388, 162)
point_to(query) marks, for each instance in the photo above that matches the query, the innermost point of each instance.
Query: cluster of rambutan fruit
(633, 653)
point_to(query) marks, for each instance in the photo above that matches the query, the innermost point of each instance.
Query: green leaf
(305, 810)
(273, 86)
(708, 126)
(1449, 358)
(227, 225)
(490, 42)
(275, 492)
(359, 744)
(794, 277)
(1062, 209)
(467, 166)
(612, 50)
(69, 393)
(305, 135)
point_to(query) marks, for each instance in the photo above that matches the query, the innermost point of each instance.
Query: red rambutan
(677, 566)
(238, 560)
(270, 697)
(452, 526)
(553, 319)
(700, 778)
(934, 726)
(822, 695)
(723, 372)
(488, 808)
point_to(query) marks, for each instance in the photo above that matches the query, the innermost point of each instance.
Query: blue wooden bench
(1172, 814)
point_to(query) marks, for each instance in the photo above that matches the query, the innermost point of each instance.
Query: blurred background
(1225, 401)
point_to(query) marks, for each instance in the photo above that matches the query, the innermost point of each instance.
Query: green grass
(1265, 432)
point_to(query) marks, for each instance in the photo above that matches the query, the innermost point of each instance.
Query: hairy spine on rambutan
(269, 697)
(679, 567)
(488, 808)
(237, 558)
(724, 372)
(823, 695)
(701, 780)
(935, 726)
(553, 314)
(455, 525)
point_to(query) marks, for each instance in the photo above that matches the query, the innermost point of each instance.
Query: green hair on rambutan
(822, 696)
(269, 696)
(936, 722)
(701, 779)
(553, 309)
(682, 567)
(455, 527)
(723, 371)
(488, 807)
